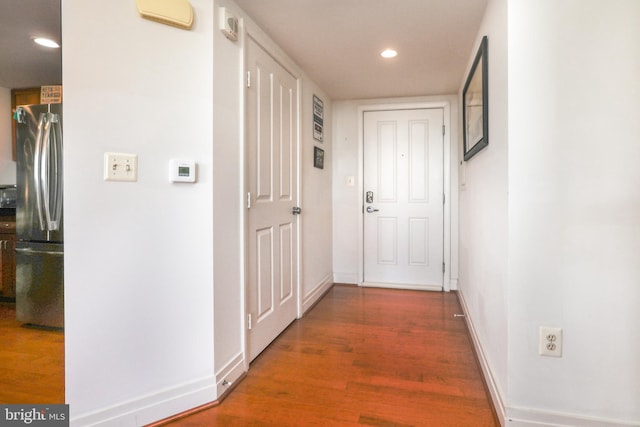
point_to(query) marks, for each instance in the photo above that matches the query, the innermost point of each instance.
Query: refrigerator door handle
(29, 251)
(37, 169)
(57, 212)
(52, 171)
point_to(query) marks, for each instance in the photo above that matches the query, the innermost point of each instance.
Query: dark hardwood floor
(363, 356)
(31, 362)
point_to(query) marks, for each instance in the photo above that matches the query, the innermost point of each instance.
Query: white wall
(549, 231)
(228, 204)
(7, 165)
(347, 200)
(483, 212)
(347, 204)
(316, 200)
(138, 256)
(574, 204)
(154, 270)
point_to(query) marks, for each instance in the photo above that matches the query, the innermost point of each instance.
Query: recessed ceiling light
(389, 53)
(46, 42)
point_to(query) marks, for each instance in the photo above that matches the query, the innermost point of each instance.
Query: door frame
(450, 159)
(274, 51)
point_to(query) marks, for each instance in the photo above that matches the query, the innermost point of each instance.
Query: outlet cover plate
(550, 341)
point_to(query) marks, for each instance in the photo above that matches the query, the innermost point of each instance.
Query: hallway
(363, 356)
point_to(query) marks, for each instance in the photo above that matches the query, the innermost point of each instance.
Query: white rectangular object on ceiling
(177, 13)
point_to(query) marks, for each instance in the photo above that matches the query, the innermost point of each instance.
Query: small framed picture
(475, 105)
(318, 158)
(318, 119)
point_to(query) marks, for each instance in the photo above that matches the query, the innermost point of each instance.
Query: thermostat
(182, 170)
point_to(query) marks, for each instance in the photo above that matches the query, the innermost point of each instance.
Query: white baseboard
(166, 403)
(494, 391)
(436, 288)
(346, 278)
(151, 408)
(316, 293)
(522, 417)
(230, 373)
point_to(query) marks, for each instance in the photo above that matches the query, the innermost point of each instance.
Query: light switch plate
(120, 167)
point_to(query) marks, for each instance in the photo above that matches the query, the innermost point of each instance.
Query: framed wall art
(475, 102)
(318, 158)
(318, 119)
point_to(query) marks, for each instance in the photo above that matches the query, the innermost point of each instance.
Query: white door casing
(403, 170)
(272, 179)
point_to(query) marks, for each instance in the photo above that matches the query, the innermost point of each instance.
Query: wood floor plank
(363, 356)
(31, 362)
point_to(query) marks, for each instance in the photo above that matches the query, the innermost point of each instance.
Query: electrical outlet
(550, 341)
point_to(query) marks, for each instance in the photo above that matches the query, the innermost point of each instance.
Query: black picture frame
(318, 158)
(475, 104)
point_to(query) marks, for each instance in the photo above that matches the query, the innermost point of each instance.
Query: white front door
(272, 155)
(403, 192)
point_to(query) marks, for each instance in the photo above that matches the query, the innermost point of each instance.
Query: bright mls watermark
(34, 415)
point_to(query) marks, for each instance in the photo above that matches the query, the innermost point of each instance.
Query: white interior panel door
(403, 206)
(272, 174)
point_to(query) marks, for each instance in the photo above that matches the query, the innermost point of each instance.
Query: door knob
(371, 209)
(296, 210)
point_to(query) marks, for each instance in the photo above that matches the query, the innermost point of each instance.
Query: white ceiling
(22, 62)
(337, 42)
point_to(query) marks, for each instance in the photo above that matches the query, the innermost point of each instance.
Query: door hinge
(443, 268)
(443, 129)
(249, 200)
(249, 325)
(248, 78)
(444, 198)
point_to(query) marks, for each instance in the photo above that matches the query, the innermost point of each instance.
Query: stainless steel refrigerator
(39, 230)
